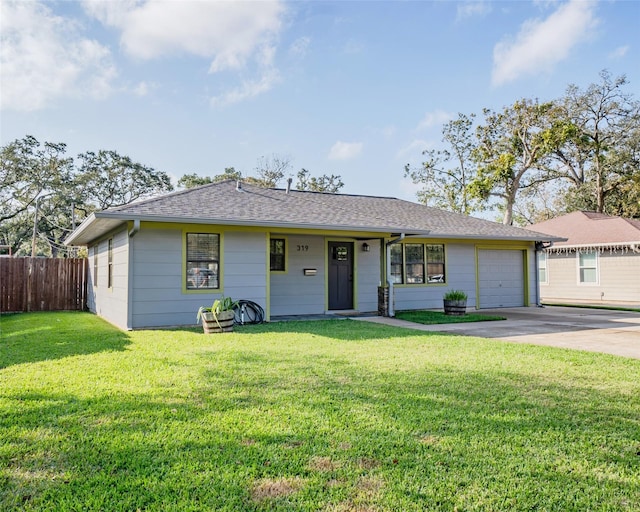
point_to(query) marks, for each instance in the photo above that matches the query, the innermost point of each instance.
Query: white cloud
(414, 148)
(247, 89)
(470, 9)
(619, 52)
(435, 118)
(345, 150)
(541, 44)
(143, 88)
(227, 32)
(43, 57)
(237, 36)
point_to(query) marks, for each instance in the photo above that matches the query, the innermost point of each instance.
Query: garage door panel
(500, 278)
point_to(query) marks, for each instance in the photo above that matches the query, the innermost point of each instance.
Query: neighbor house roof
(226, 203)
(582, 229)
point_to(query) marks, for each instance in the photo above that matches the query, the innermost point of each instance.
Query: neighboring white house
(598, 262)
(153, 263)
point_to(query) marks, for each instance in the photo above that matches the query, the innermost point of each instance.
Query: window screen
(414, 261)
(435, 263)
(203, 259)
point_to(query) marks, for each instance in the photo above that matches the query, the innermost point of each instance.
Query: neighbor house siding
(111, 302)
(617, 278)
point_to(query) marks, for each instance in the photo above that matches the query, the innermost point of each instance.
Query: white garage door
(501, 278)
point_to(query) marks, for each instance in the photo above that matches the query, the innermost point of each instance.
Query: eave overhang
(99, 224)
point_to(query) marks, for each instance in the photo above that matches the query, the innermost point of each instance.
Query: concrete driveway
(596, 330)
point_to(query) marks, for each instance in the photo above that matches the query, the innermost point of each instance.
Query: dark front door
(340, 275)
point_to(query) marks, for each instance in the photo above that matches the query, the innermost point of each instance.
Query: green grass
(331, 415)
(438, 317)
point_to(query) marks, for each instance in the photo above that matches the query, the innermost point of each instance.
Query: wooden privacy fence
(43, 284)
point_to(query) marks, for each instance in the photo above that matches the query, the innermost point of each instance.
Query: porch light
(365, 247)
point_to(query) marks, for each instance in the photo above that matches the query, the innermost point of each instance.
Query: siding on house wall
(368, 277)
(618, 278)
(293, 293)
(110, 303)
(159, 297)
(245, 266)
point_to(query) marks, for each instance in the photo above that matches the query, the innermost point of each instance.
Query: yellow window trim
(207, 229)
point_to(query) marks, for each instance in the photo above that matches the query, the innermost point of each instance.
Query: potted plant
(455, 302)
(218, 317)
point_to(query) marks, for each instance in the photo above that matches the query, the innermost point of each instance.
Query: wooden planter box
(455, 307)
(224, 322)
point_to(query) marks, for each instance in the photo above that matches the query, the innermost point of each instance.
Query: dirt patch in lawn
(268, 488)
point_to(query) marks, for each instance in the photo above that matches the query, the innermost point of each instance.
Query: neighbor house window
(435, 263)
(414, 261)
(542, 267)
(277, 254)
(417, 263)
(95, 266)
(396, 264)
(588, 267)
(203, 261)
(110, 263)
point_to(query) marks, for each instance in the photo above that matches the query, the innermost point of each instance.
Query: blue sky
(354, 88)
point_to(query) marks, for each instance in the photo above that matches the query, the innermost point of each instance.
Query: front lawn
(428, 317)
(333, 415)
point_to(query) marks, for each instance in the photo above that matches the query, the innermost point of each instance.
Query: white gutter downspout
(391, 311)
(539, 246)
(135, 228)
(132, 233)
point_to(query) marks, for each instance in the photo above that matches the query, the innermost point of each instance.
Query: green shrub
(455, 295)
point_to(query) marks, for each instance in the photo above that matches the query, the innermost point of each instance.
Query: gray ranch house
(598, 261)
(154, 263)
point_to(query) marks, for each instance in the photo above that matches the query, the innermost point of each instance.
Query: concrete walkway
(595, 330)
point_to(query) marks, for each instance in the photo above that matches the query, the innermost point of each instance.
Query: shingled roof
(591, 229)
(226, 203)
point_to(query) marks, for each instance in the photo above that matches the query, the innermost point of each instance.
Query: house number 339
(302, 248)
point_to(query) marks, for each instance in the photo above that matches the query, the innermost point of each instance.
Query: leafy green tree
(602, 158)
(445, 175)
(29, 169)
(331, 184)
(512, 151)
(33, 174)
(193, 180)
(107, 179)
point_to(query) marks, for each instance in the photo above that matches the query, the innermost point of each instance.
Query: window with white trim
(588, 267)
(95, 266)
(110, 263)
(542, 267)
(203, 261)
